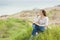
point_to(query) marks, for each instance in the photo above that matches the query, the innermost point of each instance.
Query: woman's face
(40, 13)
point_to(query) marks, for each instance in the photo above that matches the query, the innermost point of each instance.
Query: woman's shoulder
(46, 18)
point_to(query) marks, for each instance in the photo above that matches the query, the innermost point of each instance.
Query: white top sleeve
(46, 21)
(36, 19)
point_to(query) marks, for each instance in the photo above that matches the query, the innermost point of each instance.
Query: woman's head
(42, 13)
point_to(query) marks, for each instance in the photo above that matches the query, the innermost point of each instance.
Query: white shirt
(42, 22)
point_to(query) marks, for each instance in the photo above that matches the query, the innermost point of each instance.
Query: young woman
(41, 23)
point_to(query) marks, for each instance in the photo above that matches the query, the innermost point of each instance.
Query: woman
(41, 23)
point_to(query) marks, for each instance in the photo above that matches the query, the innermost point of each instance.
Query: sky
(9, 7)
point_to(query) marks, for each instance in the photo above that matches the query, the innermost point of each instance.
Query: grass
(18, 29)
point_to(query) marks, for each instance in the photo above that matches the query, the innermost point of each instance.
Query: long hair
(44, 12)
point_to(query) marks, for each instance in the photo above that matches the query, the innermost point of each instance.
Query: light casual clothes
(42, 22)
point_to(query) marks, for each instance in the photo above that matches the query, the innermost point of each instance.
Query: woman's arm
(34, 22)
(37, 22)
(46, 22)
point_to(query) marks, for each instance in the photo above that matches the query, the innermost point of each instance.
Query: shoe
(36, 34)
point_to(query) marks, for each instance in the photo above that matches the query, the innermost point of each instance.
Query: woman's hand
(34, 22)
(37, 23)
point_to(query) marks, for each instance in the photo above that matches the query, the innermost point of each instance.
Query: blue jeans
(37, 28)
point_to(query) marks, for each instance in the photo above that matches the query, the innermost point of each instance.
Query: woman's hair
(44, 12)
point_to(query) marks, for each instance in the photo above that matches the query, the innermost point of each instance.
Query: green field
(19, 29)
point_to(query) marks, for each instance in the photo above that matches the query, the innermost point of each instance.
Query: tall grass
(18, 29)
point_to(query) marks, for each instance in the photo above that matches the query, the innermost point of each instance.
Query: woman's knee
(34, 26)
(34, 31)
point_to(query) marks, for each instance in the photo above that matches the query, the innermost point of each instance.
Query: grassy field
(18, 29)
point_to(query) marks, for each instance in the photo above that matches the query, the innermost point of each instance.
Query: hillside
(52, 12)
(18, 29)
(13, 27)
(30, 13)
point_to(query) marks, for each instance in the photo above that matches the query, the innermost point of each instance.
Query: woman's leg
(33, 25)
(34, 32)
(34, 29)
(41, 28)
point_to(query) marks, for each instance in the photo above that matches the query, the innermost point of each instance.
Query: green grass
(19, 29)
